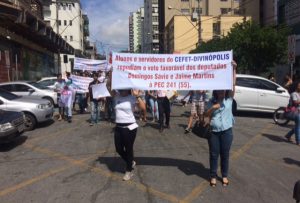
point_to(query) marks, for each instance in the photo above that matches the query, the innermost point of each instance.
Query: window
(266, 85)
(247, 82)
(155, 37)
(185, 0)
(237, 11)
(154, 18)
(225, 10)
(70, 7)
(70, 23)
(224, 0)
(8, 88)
(64, 6)
(59, 22)
(21, 88)
(65, 23)
(217, 28)
(155, 27)
(66, 38)
(71, 38)
(185, 11)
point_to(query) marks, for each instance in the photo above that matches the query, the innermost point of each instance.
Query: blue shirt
(222, 118)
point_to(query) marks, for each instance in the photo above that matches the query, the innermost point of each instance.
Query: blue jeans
(295, 130)
(95, 112)
(219, 145)
(154, 108)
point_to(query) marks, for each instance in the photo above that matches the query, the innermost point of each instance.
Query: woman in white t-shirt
(126, 127)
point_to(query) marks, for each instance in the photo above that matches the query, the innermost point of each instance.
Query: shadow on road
(116, 164)
(291, 161)
(45, 124)
(275, 138)
(6, 147)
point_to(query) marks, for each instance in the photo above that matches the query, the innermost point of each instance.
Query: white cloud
(109, 20)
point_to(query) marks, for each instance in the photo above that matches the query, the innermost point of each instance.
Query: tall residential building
(182, 35)
(67, 20)
(192, 9)
(135, 30)
(151, 32)
(263, 12)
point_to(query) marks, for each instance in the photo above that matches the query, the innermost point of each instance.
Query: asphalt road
(62, 162)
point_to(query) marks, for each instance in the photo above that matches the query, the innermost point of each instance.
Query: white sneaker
(128, 175)
(133, 164)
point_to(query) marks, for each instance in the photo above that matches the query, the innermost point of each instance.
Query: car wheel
(30, 122)
(234, 107)
(50, 100)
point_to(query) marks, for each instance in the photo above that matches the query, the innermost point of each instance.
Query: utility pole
(199, 28)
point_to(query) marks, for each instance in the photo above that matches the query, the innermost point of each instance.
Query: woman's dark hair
(59, 75)
(215, 95)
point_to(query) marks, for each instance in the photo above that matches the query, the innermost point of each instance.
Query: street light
(198, 29)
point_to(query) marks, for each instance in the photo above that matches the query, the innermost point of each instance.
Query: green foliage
(255, 48)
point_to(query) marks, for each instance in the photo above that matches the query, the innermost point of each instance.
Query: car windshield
(8, 95)
(39, 86)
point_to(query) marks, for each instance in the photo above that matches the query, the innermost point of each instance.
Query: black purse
(202, 130)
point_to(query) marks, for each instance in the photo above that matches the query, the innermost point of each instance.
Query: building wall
(31, 64)
(69, 25)
(151, 42)
(135, 31)
(182, 37)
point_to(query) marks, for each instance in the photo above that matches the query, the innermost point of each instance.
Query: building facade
(263, 12)
(135, 31)
(182, 35)
(67, 19)
(151, 34)
(29, 47)
(193, 9)
(289, 14)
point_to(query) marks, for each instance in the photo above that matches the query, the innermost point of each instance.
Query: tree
(255, 48)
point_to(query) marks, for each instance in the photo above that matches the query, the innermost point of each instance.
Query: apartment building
(182, 36)
(135, 31)
(263, 12)
(67, 19)
(151, 34)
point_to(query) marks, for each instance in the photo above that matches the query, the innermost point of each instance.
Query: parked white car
(32, 89)
(258, 94)
(48, 82)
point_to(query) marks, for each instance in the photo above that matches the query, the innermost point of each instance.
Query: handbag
(291, 112)
(202, 130)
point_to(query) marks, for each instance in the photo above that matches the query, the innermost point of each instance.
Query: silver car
(35, 110)
(32, 89)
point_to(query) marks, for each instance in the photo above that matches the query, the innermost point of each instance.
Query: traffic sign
(291, 48)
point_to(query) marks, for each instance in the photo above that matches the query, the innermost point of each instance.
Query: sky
(109, 22)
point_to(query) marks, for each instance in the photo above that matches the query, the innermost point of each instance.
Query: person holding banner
(126, 127)
(221, 122)
(164, 109)
(95, 107)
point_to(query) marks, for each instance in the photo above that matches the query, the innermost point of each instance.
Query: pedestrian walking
(221, 122)
(197, 109)
(163, 109)
(153, 105)
(95, 107)
(126, 127)
(58, 88)
(295, 101)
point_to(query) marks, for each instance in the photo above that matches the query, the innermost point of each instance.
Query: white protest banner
(209, 71)
(81, 84)
(100, 91)
(90, 64)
